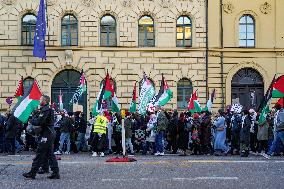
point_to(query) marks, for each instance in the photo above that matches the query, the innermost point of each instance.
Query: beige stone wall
(125, 63)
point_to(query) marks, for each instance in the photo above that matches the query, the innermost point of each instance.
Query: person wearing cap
(100, 135)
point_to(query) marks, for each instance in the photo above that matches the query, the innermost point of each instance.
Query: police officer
(44, 152)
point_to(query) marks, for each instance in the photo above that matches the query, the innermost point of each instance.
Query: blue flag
(40, 31)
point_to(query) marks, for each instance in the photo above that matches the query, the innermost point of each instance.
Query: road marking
(169, 179)
(224, 161)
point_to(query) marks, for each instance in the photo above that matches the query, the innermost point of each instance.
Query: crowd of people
(157, 133)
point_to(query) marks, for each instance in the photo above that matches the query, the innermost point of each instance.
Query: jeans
(65, 137)
(159, 141)
(279, 138)
(81, 141)
(129, 144)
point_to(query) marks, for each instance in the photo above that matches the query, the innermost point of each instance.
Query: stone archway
(247, 88)
(67, 81)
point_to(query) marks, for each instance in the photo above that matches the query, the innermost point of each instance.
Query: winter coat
(2, 123)
(205, 130)
(262, 133)
(183, 134)
(65, 125)
(128, 128)
(173, 125)
(80, 124)
(11, 127)
(236, 123)
(162, 121)
(245, 130)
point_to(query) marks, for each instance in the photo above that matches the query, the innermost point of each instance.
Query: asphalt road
(82, 171)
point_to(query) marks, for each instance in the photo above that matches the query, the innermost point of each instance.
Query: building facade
(245, 48)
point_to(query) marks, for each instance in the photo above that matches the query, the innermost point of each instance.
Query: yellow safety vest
(100, 125)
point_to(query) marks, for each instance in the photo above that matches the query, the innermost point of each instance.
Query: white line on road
(170, 179)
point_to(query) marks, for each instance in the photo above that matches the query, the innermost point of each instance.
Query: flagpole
(47, 22)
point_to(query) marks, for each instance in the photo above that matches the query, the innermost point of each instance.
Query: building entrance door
(248, 88)
(67, 81)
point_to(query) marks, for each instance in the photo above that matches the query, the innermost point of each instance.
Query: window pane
(187, 32)
(150, 36)
(187, 20)
(103, 39)
(242, 43)
(108, 20)
(188, 43)
(250, 43)
(250, 28)
(242, 36)
(146, 20)
(179, 36)
(249, 19)
(242, 28)
(243, 19)
(250, 35)
(28, 27)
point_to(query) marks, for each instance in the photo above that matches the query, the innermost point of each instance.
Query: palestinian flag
(132, 107)
(114, 104)
(280, 102)
(60, 101)
(263, 115)
(28, 103)
(268, 95)
(278, 88)
(147, 92)
(210, 101)
(82, 88)
(108, 88)
(99, 101)
(20, 90)
(164, 95)
(194, 105)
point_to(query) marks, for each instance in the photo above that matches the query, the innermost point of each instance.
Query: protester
(172, 133)
(245, 133)
(162, 124)
(65, 129)
(2, 133)
(151, 133)
(236, 122)
(220, 145)
(10, 133)
(195, 134)
(128, 125)
(205, 137)
(100, 136)
(183, 134)
(80, 126)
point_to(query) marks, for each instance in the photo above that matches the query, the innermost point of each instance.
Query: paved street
(82, 171)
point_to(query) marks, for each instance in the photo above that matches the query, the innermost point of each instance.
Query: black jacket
(44, 117)
(65, 125)
(245, 130)
(2, 123)
(80, 124)
(11, 127)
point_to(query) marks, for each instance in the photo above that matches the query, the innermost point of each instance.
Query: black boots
(54, 175)
(29, 175)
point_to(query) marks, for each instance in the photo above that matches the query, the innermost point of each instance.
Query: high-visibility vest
(100, 125)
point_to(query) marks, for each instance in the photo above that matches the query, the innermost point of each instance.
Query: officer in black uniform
(44, 152)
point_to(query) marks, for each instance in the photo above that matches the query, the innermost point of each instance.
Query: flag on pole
(114, 104)
(132, 107)
(263, 115)
(147, 92)
(268, 95)
(194, 105)
(82, 88)
(40, 32)
(210, 101)
(99, 101)
(60, 101)
(164, 95)
(278, 88)
(108, 87)
(20, 90)
(28, 103)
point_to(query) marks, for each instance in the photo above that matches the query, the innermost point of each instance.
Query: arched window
(28, 28)
(108, 31)
(146, 32)
(184, 34)
(184, 91)
(247, 31)
(27, 84)
(69, 30)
